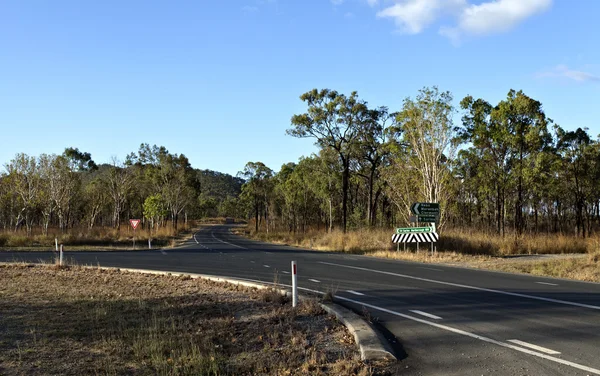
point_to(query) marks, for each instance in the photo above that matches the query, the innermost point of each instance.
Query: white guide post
(56, 243)
(294, 284)
(149, 243)
(60, 259)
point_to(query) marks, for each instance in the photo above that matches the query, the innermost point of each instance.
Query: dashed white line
(266, 266)
(476, 336)
(535, 347)
(547, 283)
(223, 241)
(426, 314)
(314, 280)
(467, 286)
(285, 272)
(196, 240)
(355, 292)
(254, 262)
(437, 270)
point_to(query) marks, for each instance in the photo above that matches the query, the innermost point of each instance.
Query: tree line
(504, 167)
(71, 190)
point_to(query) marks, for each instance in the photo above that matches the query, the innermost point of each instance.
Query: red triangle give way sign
(134, 223)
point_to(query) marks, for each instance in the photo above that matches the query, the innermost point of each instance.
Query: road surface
(445, 320)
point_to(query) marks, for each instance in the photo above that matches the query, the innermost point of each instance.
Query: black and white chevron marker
(427, 237)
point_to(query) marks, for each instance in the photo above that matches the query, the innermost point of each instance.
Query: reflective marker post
(294, 284)
(60, 257)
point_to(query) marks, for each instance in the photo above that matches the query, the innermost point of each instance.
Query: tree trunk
(345, 180)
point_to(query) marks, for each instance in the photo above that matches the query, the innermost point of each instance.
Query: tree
(429, 132)
(155, 209)
(119, 180)
(334, 121)
(257, 189)
(79, 160)
(26, 180)
(373, 151)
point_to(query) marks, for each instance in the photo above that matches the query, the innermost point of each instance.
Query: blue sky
(219, 80)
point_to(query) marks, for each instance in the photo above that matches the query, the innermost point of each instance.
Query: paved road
(447, 320)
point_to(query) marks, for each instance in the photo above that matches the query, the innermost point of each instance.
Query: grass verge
(568, 257)
(76, 321)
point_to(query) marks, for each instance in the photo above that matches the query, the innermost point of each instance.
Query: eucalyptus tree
(575, 149)
(119, 182)
(429, 133)
(334, 120)
(25, 178)
(258, 189)
(373, 150)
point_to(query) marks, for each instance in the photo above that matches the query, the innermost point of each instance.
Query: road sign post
(134, 223)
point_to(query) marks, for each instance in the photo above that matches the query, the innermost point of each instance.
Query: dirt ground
(76, 321)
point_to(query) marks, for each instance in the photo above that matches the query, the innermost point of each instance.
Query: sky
(219, 80)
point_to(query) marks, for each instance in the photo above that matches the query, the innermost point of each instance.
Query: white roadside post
(60, 257)
(294, 284)
(56, 243)
(149, 243)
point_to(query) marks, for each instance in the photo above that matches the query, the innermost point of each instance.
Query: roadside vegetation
(545, 255)
(106, 238)
(78, 321)
(509, 181)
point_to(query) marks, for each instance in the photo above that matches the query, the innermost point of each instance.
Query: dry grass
(97, 237)
(463, 248)
(366, 241)
(75, 321)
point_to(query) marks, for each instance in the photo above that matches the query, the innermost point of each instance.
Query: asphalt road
(446, 320)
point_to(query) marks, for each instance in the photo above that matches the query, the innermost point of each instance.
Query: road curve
(450, 321)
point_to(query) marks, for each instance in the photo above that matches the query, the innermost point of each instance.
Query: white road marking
(196, 240)
(467, 286)
(163, 252)
(549, 284)
(476, 336)
(285, 272)
(314, 280)
(223, 241)
(266, 266)
(254, 262)
(448, 328)
(437, 270)
(426, 314)
(535, 347)
(355, 292)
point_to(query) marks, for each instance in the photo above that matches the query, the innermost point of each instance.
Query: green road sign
(411, 230)
(427, 208)
(428, 218)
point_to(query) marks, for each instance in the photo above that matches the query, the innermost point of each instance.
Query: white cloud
(572, 74)
(494, 16)
(413, 16)
(337, 2)
(372, 3)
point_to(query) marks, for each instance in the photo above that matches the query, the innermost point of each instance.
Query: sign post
(134, 223)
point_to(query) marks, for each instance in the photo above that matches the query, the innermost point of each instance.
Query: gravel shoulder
(78, 321)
